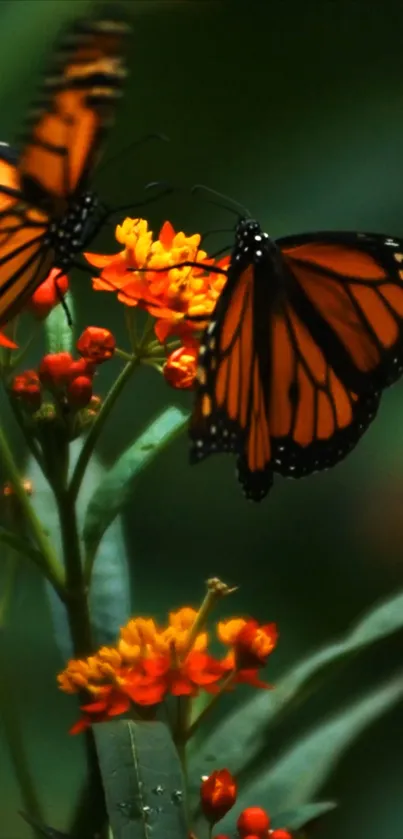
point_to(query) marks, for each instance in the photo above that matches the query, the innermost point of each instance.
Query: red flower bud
(79, 392)
(48, 294)
(27, 387)
(253, 820)
(81, 367)
(54, 369)
(96, 344)
(218, 794)
(280, 834)
(255, 836)
(180, 367)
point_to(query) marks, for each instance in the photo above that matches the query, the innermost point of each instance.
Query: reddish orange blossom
(218, 794)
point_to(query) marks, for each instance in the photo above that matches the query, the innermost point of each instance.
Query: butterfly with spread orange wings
(306, 334)
(47, 213)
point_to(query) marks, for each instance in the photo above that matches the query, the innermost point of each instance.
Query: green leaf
(302, 816)
(20, 546)
(112, 493)
(59, 335)
(297, 776)
(142, 779)
(110, 601)
(254, 718)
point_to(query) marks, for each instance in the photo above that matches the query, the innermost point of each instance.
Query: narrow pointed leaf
(142, 780)
(302, 770)
(21, 546)
(303, 815)
(110, 602)
(111, 495)
(59, 335)
(261, 711)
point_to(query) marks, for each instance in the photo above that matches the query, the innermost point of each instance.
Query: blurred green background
(296, 110)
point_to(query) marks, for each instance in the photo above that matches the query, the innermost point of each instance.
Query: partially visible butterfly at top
(305, 336)
(48, 212)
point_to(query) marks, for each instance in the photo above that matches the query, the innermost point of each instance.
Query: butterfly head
(251, 241)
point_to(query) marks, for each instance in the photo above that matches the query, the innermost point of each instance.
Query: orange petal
(166, 235)
(6, 342)
(100, 260)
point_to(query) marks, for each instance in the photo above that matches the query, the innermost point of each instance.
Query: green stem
(25, 549)
(180, 738)
(75, 595)
(30, 440)
(207, 708)
(98, 425)
(92, 809)
(51, 565)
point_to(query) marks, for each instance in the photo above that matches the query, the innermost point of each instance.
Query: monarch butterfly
(47, 213)
(306, 334)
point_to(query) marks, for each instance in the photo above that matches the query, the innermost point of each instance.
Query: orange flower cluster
(218, 794)
(149, 663)
(67, 379)
(174, 296)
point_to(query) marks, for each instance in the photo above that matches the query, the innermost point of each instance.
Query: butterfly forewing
(45, 214)
(348, 290)
(79, 97)
(230, 411)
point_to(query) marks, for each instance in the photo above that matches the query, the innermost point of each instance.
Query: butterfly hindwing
(314, 419)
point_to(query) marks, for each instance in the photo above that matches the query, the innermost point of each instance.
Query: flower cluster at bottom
(149, 663)
(218, 794)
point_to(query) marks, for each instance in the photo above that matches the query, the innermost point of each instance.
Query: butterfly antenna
(166, 189)
(133, 145)
(224, 201)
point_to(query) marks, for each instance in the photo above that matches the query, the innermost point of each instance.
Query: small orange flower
(8, 489)
(218, 794)
(180, 367)
(48, 294)
(96, 344)
(253, 820)
(251, 642)
(170, 295)
(27, 388)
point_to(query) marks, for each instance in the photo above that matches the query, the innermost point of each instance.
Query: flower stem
(92, 809)
(182, 725)
(75, 596)
(51, 565)
(98, 425)
(216, 589)
(213, 701)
